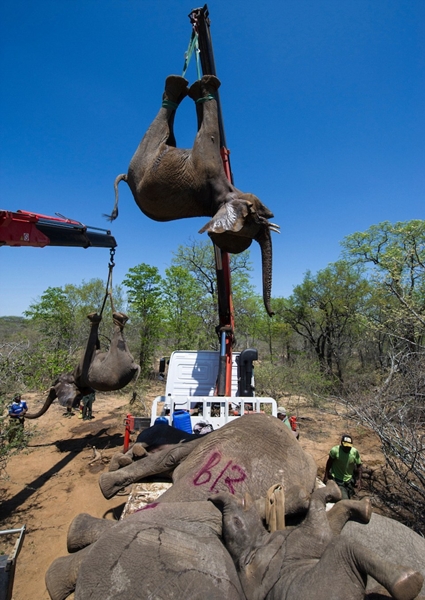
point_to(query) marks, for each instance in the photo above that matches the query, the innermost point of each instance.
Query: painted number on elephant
(229, 474)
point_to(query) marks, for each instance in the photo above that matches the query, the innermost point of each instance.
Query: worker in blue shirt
(17, 411)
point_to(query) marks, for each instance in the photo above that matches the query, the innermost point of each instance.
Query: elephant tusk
(274, 227)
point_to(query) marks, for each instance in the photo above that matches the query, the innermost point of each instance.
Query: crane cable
(108, 290)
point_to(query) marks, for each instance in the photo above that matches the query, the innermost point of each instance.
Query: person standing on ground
(17, 411)
(87, 402)
(344, 466)
(282, 416)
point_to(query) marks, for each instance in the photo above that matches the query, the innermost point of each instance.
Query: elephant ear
(229, 217)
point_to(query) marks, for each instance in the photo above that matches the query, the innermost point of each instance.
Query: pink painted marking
(205, 475)
(152, 505)
(212, 462)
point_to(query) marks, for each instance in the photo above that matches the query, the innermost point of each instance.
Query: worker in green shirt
(344, 466)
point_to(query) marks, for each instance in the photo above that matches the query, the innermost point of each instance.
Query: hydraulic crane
(24, 228)
(201, 31)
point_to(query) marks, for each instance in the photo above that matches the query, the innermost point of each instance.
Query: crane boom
(24, 228)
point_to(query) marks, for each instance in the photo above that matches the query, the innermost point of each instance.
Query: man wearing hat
(344, 466)
(282, 416)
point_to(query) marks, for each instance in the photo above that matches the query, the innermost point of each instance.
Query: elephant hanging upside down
(171, 183)
(111, 370)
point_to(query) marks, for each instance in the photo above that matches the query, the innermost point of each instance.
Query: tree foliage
(325, 310)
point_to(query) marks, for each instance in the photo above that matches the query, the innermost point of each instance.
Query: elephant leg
(316, 517)
(163, 461)
(403, 583)
(206, 148)
(119, 319)
(342, 570)
(342, 511)
(85, 530)
(61, 576)
(120, 459)
(160, 132)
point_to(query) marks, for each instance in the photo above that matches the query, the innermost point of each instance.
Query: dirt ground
(46, 486)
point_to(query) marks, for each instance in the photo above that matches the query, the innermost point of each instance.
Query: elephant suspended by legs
(97, 370)
(111, 370)
(171, 183)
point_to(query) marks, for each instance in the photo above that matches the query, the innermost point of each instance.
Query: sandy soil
(46, 486)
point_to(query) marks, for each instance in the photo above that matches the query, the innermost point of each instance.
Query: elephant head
(169, 183)
(66, 391)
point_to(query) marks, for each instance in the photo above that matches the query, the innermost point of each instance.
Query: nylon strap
(206, 99)
(169, 104)
(193, 46)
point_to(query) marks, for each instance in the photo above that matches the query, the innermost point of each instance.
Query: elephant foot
(138, 450)
(94, 318)
(205, 88)
(363, 510)
(85, 530)
(175, 91)
(111, 483)
(119, 319)
(333, 493)
(407, 585)
(61, 576)
(119, 460)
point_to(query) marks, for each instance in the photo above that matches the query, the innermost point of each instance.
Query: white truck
(191, 385)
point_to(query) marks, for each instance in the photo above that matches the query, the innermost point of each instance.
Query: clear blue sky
(323, 105)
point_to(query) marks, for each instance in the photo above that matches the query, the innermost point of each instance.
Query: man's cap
(347, 441)
(281, 410)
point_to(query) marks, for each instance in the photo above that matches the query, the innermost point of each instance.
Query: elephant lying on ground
(171, 183)
(172, 548)
(106, 371)
(229, 459)
(167, 551)
(308, 561)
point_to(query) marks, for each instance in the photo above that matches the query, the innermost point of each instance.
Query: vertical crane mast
(201, 27)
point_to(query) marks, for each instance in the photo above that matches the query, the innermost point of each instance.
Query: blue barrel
(161, 420)
(181, 420)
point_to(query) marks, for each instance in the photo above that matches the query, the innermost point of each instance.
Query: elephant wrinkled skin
(111, 370)
(308, 561)
(171, 183)
(181, 546)
(166, 551)
(229, 459)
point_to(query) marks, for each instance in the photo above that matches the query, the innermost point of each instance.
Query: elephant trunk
(52, 396)
(265, 241)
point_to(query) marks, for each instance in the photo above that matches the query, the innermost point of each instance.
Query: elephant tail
(114, 213)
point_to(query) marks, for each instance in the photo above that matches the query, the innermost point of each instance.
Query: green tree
(199, 259)
(325, 310)
(54, 318)
(144, 294)
(182, 297)
(395, 257)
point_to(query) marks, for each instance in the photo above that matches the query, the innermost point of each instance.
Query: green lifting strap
(193, 45)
